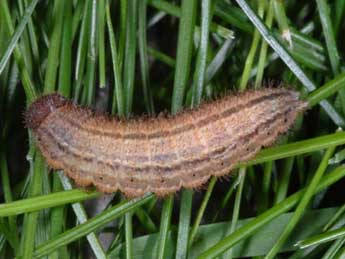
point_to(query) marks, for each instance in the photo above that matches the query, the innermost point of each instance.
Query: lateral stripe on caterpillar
(161, 154)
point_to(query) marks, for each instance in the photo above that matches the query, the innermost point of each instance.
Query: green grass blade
(326, 90)
(310, 190)
(118, 96)
(82, 50)
(233, 16)
(322, 238)
(201, 211)
(33, 39)
(284, 179)
(101, 42)
(252, 52)
(11, 224)
(334, 249)
(91, 225)
(199, 73)
(254, 246)
(280, 15)
(10, 236)
(183, 225)
(324, 13)
(218, 59)
(91, 54)
(129, 235)
(130, 53)
(184, 53)
(335, 218)
(145, 220)
(250, 228)
(57, 218)
(339, 7)
(30, 219)
(298, 148)
(164, 227)
(28, 85)
(264, 46)
(54, 48)
(264, 197)
(15, 37)
(123, 31)
(288, 60)
(237, 205)
(65, 68)
(44, 202)
(82, 218)
(176, 11)
(161, 57)
(144, 66)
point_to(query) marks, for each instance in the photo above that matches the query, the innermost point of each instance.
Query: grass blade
(89, 226)
(15, 37)
(184, 53)
(250, 228)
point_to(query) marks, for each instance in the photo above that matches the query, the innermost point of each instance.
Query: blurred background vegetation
(140, 57)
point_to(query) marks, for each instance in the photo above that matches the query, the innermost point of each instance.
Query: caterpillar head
(41, 108)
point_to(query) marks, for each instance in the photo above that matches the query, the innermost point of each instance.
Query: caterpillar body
(163, 154)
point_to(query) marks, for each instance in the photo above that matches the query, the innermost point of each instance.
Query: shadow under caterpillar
(160, 155)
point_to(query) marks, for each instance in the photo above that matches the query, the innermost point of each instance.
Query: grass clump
(135, 57)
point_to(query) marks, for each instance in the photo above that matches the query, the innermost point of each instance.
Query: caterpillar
(163, 154)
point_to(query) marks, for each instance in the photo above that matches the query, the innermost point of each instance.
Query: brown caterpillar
(159, 155)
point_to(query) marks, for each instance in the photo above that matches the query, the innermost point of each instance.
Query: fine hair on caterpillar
(162, 154)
